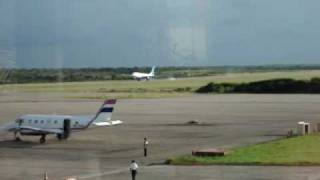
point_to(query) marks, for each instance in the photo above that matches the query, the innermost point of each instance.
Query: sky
(126, 33)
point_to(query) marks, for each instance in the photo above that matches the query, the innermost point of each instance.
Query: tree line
(40, 75)
(279, 86)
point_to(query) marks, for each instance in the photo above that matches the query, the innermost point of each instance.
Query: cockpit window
(19, 121)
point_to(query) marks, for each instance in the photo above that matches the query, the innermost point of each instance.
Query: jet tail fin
(152, 70)
(105, 112)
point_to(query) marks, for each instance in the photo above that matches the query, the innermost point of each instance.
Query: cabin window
(41, 121)
(56, 122)
(36, 121)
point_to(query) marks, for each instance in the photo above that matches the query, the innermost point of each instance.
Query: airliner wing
(40, 130)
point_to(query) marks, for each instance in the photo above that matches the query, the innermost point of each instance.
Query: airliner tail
(152, 70)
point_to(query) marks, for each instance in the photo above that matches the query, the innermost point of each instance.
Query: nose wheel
(16, 136)
(43, 139)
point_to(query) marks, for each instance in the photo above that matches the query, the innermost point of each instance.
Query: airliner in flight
(144, 76)
(60, 125)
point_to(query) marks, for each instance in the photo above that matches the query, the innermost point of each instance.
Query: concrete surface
(105, 153)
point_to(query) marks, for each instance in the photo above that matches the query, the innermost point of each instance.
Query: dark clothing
(133, 174)
(145, 152)
(145, 146)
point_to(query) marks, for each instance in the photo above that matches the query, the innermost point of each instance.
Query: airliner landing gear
(43, 139)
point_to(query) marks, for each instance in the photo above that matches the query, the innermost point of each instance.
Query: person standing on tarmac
(134, 169)
(145, 146)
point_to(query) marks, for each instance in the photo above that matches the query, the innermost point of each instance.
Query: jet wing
(108, 123)
(39, 130)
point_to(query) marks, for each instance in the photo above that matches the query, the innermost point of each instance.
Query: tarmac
(226, 121)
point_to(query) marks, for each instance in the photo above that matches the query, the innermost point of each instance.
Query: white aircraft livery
(144, 76)
(60, 125)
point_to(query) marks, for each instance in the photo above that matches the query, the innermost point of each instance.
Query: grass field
(151, 89)
(303, 150)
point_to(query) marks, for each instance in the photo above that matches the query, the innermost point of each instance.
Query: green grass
(152, 89)
(128, 95)
(302, 150)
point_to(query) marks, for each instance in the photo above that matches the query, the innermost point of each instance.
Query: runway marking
(102, 173)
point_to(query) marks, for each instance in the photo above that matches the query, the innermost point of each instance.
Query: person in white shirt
(134, 169)
(145, 146)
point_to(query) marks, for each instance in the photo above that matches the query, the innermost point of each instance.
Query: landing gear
(43, 139)
(60, 137)
(16, 137)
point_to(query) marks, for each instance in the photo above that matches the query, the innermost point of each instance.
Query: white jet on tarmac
(144, 76)
(60, 125)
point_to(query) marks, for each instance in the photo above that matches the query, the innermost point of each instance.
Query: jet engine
(66, 128)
